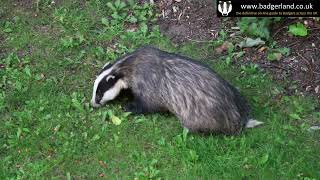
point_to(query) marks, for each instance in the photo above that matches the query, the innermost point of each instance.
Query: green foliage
(276, 53)
(16, 75)
(42, 4)
(255, 27)
(7, 27)
(298, 29)
(137, 14)
(48, 129)
(149, 172)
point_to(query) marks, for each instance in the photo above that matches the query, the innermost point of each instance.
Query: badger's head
(107, 86)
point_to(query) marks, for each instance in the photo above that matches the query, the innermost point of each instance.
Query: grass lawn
(49, 55)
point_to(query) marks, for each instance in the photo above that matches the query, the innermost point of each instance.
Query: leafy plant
(74, 41)
(193, 156)
(8, 27)
(275, 54)
(130, 12)
(298, 29)
(117, 14)
(250, 69)
(255, 27)
(150, 171)
(40, 4)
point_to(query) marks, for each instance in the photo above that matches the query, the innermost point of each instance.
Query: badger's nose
(94, 104)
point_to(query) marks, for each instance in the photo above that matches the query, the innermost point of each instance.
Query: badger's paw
(133, 108)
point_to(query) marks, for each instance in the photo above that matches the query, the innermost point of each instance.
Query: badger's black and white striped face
(107, 86)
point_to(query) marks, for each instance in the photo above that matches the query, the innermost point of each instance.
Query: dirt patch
(301, 68)
(188, 20)
(47, 30)
(304, 62)
(32, 4)
(191, 20)
(28, 4)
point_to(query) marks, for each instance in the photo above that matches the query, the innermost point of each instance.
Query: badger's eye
(110, 77)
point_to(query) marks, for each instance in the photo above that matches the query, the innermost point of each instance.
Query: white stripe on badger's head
(106, 87)
(106, 65)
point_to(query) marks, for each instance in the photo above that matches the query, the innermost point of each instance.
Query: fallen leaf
(103, 164)
(262, 49)
(115, 120)
(251, 42)
(224, 47)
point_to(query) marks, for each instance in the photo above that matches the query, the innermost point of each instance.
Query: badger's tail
(253, 123)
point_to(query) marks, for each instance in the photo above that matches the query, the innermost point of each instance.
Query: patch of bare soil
(304, 62)
(302, 67)
(28, 4)
(185, 20)
(193, 20)
(32, 4)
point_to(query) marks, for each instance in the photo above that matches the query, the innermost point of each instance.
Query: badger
(165, 82)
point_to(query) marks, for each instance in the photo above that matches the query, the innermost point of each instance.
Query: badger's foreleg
(143, 105)
(137, 107)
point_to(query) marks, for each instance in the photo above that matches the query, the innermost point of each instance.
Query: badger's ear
(110, 77)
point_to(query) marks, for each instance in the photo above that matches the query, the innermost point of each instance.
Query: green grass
(48, 129)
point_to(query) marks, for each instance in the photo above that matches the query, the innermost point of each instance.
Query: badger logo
(225, 7)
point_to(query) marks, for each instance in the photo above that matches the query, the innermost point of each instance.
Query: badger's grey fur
(160, 81)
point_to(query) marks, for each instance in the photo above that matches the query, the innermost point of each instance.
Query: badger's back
(199, 97)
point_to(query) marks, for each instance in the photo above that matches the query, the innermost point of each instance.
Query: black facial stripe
(104, 86)
(105, 68)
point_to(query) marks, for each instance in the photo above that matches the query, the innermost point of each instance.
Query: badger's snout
(94, 104)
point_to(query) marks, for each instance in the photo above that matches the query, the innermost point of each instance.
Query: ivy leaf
(298, 29)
